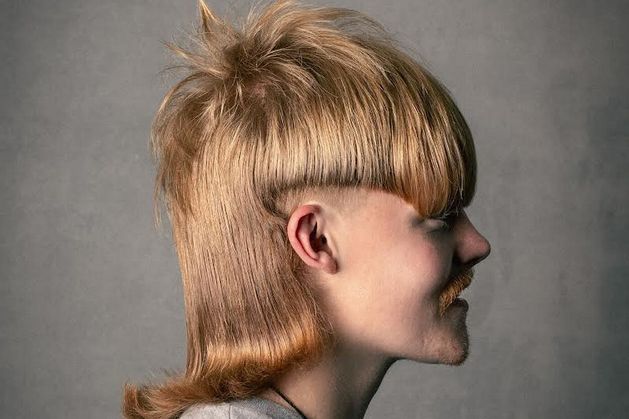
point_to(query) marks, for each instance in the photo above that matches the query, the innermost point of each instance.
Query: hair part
(302, 101)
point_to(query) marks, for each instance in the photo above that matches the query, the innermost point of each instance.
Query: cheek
(405, 285)
(424, 269)
(389, 289)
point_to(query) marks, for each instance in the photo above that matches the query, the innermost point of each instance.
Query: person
(316, 178)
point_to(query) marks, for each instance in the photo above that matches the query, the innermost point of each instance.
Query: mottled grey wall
(89, 290)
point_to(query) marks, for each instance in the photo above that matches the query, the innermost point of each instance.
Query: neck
(340, 385)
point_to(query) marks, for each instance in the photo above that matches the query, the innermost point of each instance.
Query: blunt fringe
(300, 101)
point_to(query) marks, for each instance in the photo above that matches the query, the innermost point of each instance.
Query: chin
(448, 346)
(458, 350)
(453, 350)
(456, 359)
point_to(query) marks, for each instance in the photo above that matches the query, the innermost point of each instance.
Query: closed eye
(446, 220)
(443, 223)
(439, 222)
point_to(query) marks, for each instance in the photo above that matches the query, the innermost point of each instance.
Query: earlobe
(328, 262)
(304, 234)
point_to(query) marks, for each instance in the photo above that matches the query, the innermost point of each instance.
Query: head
(388, 277)
(297, 159)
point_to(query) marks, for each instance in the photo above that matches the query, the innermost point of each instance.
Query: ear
(306, 227)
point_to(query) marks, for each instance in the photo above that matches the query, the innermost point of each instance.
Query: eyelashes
(446, 219)
(440, 222)
(444, 225)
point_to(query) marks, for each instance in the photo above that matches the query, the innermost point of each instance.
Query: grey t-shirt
(251, 408)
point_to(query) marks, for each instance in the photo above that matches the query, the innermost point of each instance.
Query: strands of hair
(300, 102)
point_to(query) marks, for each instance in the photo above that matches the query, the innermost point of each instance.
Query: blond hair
(302, 101)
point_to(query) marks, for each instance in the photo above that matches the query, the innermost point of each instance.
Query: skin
(386, 279)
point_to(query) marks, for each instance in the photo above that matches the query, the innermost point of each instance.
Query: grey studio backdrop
(90, 293)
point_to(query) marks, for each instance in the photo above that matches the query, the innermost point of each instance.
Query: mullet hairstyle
(302, 101)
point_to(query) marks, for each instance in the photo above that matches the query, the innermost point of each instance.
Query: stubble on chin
(464, 343)
(456, 355)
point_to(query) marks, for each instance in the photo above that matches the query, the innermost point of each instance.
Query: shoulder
(206, 411)
(251, 408)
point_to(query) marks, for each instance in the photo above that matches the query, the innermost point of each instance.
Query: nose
(471, 246)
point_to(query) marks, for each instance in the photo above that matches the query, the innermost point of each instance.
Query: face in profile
(397, 279)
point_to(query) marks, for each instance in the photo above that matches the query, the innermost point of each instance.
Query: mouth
(453, 289)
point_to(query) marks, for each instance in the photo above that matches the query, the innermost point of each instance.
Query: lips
(454, 289)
